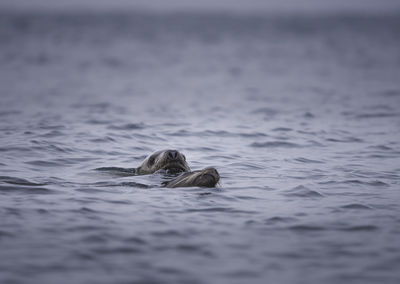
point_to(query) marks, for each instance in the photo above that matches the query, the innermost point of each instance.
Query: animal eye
(151, 160)
(184, 158)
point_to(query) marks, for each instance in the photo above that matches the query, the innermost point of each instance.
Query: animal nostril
(172, 154)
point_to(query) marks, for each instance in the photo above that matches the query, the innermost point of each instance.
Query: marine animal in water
(207, 177)
(172, 161)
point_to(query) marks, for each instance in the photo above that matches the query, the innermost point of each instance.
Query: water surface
(300, 115)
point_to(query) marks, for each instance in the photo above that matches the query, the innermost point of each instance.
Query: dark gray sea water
(299, 114)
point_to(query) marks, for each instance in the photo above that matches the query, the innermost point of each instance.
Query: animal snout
(173, 155)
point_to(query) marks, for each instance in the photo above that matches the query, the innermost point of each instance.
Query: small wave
(172, 124)
(51, 127)
(86, 210)
(100, 153)
(58, 148)
(84, 256)
(265, 110)
(391, 93)
(125, 183)
(245, 197)
(387, 156)
(72, 161)
(97, 121)
(128, 126)
(345, 140)
(289, 255)
(116, 250)
(186, 133)
(244, 274)
(126, 202)
(202, 149)
(43, 146)
(19, 181)
(134, 184)
(275, 144)
(42, 211)
(252, 134)
(166, 270)
(356, 206)
(26, 189)
(135, 240)
(41, 163)
(219, 209)
(358, 182)
(87, 228)
(15, 148)
(306, 228)
(170, 233)
(130, 171)
(5, 234)
(100, 105)
(378, 183)
(9, 112)
(360, 228)
(192, 248)
(282, 129)
(308, 115)
(90, 190)
(372, 183)
(13, 211)
(302, 191)
(381, 147)
(95, 238)
(376, 115)
(277, 219)
(247, 166)
(51, 134)
(103, 140)
(308, 161)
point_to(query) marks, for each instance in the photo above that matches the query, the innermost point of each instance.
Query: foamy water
(300, 115)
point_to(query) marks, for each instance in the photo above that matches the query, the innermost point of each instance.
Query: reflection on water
(299, 115)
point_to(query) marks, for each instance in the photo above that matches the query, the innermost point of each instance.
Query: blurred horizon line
(234, 7)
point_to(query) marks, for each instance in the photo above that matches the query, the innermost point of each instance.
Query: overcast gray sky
(314, 6)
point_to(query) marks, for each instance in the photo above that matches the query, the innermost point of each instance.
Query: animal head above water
(207, 177)
(171, 161)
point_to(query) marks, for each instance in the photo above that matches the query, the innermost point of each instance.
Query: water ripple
(219, 209)
(26, 189)
(5, 234)
(345, 140)
(103, 140)
(360, 228)
(51, 134)
(302, 191)
(306, 228)
(15, 148)
(269, 112)
(278, 220)
(308, 161)
(124, 183)
(19, 181)
(375, 183)
(275, 144)
(128, 126)
(376, 115)
(116, 250)
(282, 129)
(356, 206)
(42, 163)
